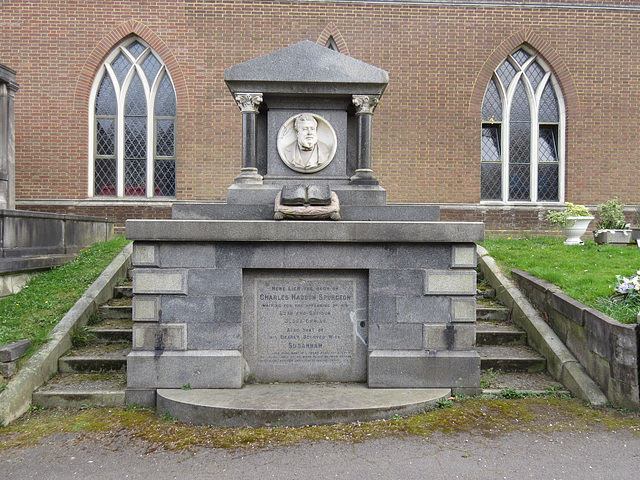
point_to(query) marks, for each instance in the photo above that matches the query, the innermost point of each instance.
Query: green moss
(471, 415)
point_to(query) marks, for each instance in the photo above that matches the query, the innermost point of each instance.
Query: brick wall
(426, 129)
(118, 213)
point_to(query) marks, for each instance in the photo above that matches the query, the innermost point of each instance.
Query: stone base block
(420, 369)
(176, 369)
(449, 337)
(11, 283)
(380, 213)
(13, 351)
(362, 195)
(7, 369)
(142, 397)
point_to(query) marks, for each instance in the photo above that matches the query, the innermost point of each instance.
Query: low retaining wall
(24, 233)
(607, 349)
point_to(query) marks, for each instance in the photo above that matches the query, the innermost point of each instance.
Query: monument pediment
(306, 67)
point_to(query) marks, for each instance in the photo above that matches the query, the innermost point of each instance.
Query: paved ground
(593, 454)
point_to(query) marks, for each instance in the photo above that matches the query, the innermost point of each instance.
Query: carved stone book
(293, 195)
(318, 194)
(301, 195)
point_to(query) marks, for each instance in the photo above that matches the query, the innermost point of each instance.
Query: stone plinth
(221, 303)
(382, 295)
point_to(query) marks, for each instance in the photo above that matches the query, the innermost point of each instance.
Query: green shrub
(560, 217)
(611, 216)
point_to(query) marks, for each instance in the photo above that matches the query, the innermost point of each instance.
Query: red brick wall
(426, 129)
(118, 213)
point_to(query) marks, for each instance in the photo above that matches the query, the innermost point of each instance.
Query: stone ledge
(422, 369)
(606, 349)
(295, 404)
(31, 263)
(304, 231)
(378, 213)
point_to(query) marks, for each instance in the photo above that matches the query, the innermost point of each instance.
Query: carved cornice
(365, 104)
(248, 102)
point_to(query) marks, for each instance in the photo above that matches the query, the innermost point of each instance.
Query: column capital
(365, 104)
(248, 102)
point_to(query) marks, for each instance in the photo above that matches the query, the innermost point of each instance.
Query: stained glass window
(522, 122)
(134, 125)
(105, 138)
(491, 185)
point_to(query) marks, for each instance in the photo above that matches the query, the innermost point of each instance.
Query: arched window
(133, 125)
(522, 133)
(331, 44)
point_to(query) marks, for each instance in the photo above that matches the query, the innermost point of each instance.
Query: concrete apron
(294, 404)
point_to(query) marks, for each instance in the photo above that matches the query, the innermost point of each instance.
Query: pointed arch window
(133, 125)
(522, 148)
(331, 44)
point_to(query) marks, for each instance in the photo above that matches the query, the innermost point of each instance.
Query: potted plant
(573, 221)
(611, 226)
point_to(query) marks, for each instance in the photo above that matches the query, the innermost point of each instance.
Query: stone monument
(255, 292)
(8, 88)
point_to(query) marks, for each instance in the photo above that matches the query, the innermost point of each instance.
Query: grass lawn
(586, 273)
(36, 309)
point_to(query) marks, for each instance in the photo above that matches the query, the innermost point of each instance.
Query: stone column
(249, 104)
(8, 88)
(365, 105)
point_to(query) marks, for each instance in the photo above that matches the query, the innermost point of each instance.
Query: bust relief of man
(306, 153)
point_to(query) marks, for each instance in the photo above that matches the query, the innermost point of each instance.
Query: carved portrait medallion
(307, 143)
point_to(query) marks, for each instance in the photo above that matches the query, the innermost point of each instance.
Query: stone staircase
(506, 361)
(93, 373)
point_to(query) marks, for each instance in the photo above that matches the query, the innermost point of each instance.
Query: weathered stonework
(607, 349)
(443, 282)
(225, 295)
(164, 337)
(154, 282)
(317, 306)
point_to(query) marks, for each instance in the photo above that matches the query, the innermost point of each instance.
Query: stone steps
(123, 291)
(79, 398)
(112, 335)
(111, 361)
(492, 333)
(95, 374)
(492, 313)
(511, 358)
(116, 312)
(85, 389)
(505, 359)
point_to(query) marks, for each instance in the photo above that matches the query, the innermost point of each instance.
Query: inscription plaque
(305, 327)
